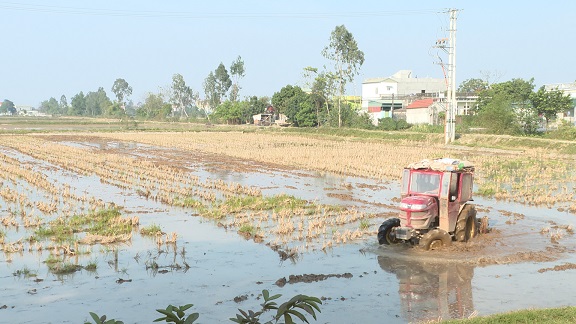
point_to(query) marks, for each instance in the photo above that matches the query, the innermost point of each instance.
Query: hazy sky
(51, 48)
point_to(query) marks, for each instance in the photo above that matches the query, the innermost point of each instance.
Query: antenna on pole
(449, 46)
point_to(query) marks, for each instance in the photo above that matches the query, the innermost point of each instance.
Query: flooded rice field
(122, 229)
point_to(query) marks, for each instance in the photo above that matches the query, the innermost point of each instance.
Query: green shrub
(387, 124)
(295, 307)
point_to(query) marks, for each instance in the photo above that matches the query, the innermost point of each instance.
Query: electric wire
(49, 9)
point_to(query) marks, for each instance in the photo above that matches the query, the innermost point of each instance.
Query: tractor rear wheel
(467, 224)
(435, 239)
(385, 231)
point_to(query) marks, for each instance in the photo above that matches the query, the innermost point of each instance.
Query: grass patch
(63, 268)
(248, 229)
(58, 232)
(411, 135)
(91, 266)
(188, 202)
(486, 191)
(24, 272)
(284, 201)
(237, 204)
(59, 267)
(551, 315)
(51, 260)
(105, 222)
(151, 230)
(364, 224)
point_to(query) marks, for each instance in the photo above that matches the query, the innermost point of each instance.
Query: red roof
(423, 103)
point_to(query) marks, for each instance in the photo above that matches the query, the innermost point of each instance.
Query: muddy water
(502, 271)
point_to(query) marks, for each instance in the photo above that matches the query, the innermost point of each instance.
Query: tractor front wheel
(467, 224)
(385, 231)
(435, 239)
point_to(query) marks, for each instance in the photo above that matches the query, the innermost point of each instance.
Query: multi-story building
(381, 96)
(402, 95)
(569, 89)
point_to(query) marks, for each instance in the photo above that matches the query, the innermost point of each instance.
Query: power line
(47, 9)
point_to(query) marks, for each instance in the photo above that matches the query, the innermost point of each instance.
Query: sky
(55, 48)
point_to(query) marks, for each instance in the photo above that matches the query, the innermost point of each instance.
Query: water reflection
(431, 291)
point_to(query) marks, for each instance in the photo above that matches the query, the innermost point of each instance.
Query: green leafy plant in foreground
(295, 307)
(173, 314)
(102, 320)
(285, 311)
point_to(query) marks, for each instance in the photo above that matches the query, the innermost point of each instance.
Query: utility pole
(452, 104)
(450, 76)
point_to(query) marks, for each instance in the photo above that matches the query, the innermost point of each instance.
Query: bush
(286, 311)
(387, 124)
(424, 128)
(566, 131)
(402, 124)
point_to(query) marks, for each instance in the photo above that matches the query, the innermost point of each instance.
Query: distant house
(424, 111)
(569, 89)
(382, 96)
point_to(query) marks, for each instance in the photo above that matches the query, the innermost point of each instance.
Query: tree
(50, 106)
(518, 91)
(347, 58)
(223, 82)
(505, 108)
(254, 106)
(293, 102)
(321, 90)
(121, 89)
(473, 86)
(306, 117)
(153, 107)
(212, 100)
(63, 104)
(8, 107)
(97, 103)
(78, 105)
(549, 103)
(237, 71)
(182, 96)
(215, 86)
(230, 111)
(498, 116)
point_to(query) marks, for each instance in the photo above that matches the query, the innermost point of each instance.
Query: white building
(381, 96)
(569, 89)
(424, 111)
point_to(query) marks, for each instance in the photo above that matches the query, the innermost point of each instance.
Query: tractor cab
(435, 198)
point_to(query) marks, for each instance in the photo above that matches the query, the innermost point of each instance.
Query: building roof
(422, 103)
(402, 76)
(379, 80)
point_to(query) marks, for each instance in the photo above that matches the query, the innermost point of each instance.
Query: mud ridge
(308, 278)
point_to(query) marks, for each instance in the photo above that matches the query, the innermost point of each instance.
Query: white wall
(375, 90)
(418, 116)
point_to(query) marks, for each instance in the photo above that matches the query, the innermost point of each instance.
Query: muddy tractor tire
(385, 231)
(435, 239)
(467, 224)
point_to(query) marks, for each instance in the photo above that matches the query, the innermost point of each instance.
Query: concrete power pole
(452, 105)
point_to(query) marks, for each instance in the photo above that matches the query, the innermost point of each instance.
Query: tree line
(221, 100)
(511, 107)
(514, 107)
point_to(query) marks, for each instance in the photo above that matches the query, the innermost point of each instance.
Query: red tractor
(435, 207)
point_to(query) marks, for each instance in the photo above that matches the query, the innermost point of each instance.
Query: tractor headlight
(412, 206)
